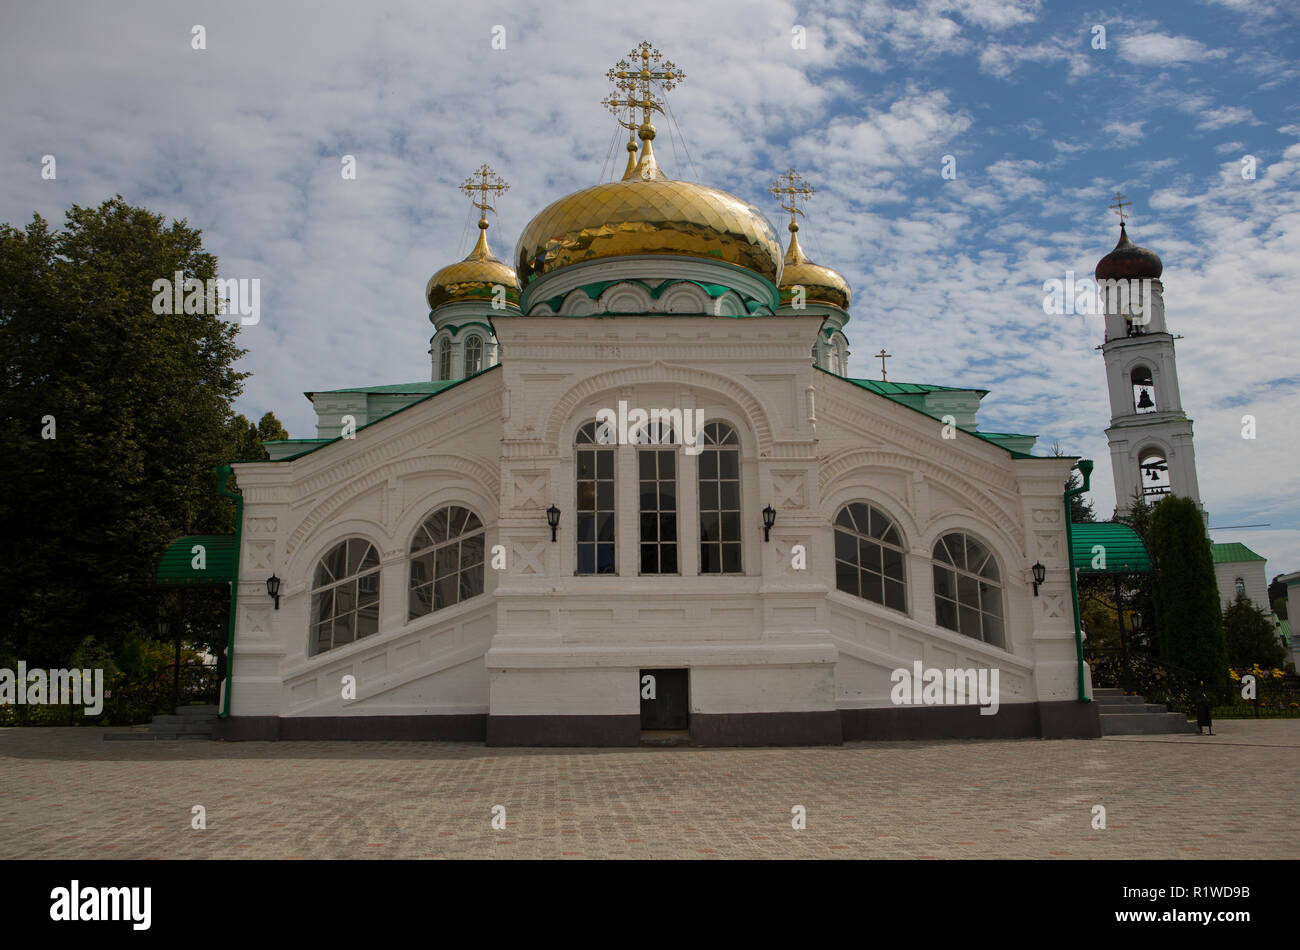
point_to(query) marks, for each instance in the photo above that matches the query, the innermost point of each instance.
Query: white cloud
(1161, 49)
(1224, 116)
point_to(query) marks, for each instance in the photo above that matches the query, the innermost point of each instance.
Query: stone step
(1114, 696)
(1146, 724)
(1130, 709)
(204, 710)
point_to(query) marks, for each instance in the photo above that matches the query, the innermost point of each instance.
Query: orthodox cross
(790, 189)
(1119, 206)
(883, 356)
(638, 85)
(484, 182)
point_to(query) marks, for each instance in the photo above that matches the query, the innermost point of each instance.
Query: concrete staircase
(1123, 715)
(190, 722)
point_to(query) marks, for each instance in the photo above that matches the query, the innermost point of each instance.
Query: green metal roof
(909, 389)
(1233, 551)
(1120, 545)
(198, 559)
(400, 389)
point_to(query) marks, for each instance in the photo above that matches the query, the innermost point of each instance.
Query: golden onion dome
(648, 213)
(821, 284)
(474, 279)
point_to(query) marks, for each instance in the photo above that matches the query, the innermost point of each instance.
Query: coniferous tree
(1189, 622)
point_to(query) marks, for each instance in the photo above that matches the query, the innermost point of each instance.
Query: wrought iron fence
(1181, 689)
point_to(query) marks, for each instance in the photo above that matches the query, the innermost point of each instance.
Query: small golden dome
(475, 278)
(821, 284)
(648, 213)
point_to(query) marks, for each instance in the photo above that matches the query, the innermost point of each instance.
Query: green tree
(112, 418)
(1189, 621)
(248, 439)
(1138, 517)
(1250, 636)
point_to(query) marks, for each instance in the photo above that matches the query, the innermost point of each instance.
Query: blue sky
(244, 139)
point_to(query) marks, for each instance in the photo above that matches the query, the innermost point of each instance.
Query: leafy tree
(1189, 621)
(1250, 636)
(248, 438)
(112, 419)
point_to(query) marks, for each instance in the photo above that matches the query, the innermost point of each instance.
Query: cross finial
(482, 183)
(883, 356)
(639, 83)
(790, 189)
(1119, 206)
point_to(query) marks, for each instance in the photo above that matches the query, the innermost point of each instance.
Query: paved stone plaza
(66, 793)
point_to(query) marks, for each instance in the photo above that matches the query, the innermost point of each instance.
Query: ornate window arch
(869, 556)
(446, 561)
(594, 469)
(968, 588)
(719, 488)
(344, 595)
(444, 358)
(473, 354)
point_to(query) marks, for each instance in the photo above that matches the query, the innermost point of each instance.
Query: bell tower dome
(1150, 435)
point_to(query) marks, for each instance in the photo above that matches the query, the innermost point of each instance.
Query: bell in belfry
(1144, 400)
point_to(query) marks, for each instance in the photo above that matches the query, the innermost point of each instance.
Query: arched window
(968, 589)
(1239, 585)
(1155, 473)
(1144, 389)
(446, 560)
(869, 556)
(345, 595)
(594, 458)
(657, 474)
(719, 466)
(473, 355)
(444, 358)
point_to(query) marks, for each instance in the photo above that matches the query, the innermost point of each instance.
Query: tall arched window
(869, 556)
(444, 358)
(594, 458)
(446, 560)
(345, 595)
(657, 474)
(968, 589)
(719, 466)
(473, 355)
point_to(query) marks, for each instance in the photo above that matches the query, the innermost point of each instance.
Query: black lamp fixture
(769, 519)
(553, 519)
(273, 589)
(1040, 575)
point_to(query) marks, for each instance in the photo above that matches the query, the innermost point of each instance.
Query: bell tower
(1150, 436)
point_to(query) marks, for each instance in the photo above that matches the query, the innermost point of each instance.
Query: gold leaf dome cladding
(820, 284)
(655, 216)
(473, 279)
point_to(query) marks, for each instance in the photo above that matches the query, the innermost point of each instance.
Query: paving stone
(66, 793)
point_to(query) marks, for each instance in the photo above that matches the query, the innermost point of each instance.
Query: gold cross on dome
(1119, 206)
(484, 182)
(790, 189)
(883, 356)
(642, 78)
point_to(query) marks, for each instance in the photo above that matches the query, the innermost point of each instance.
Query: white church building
(503, 553)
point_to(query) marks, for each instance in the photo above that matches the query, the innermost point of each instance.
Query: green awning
(198, 559)
(1114, 548)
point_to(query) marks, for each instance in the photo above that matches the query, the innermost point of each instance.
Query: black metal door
(664, 699)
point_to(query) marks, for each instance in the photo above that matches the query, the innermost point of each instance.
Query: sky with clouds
(244, 140)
